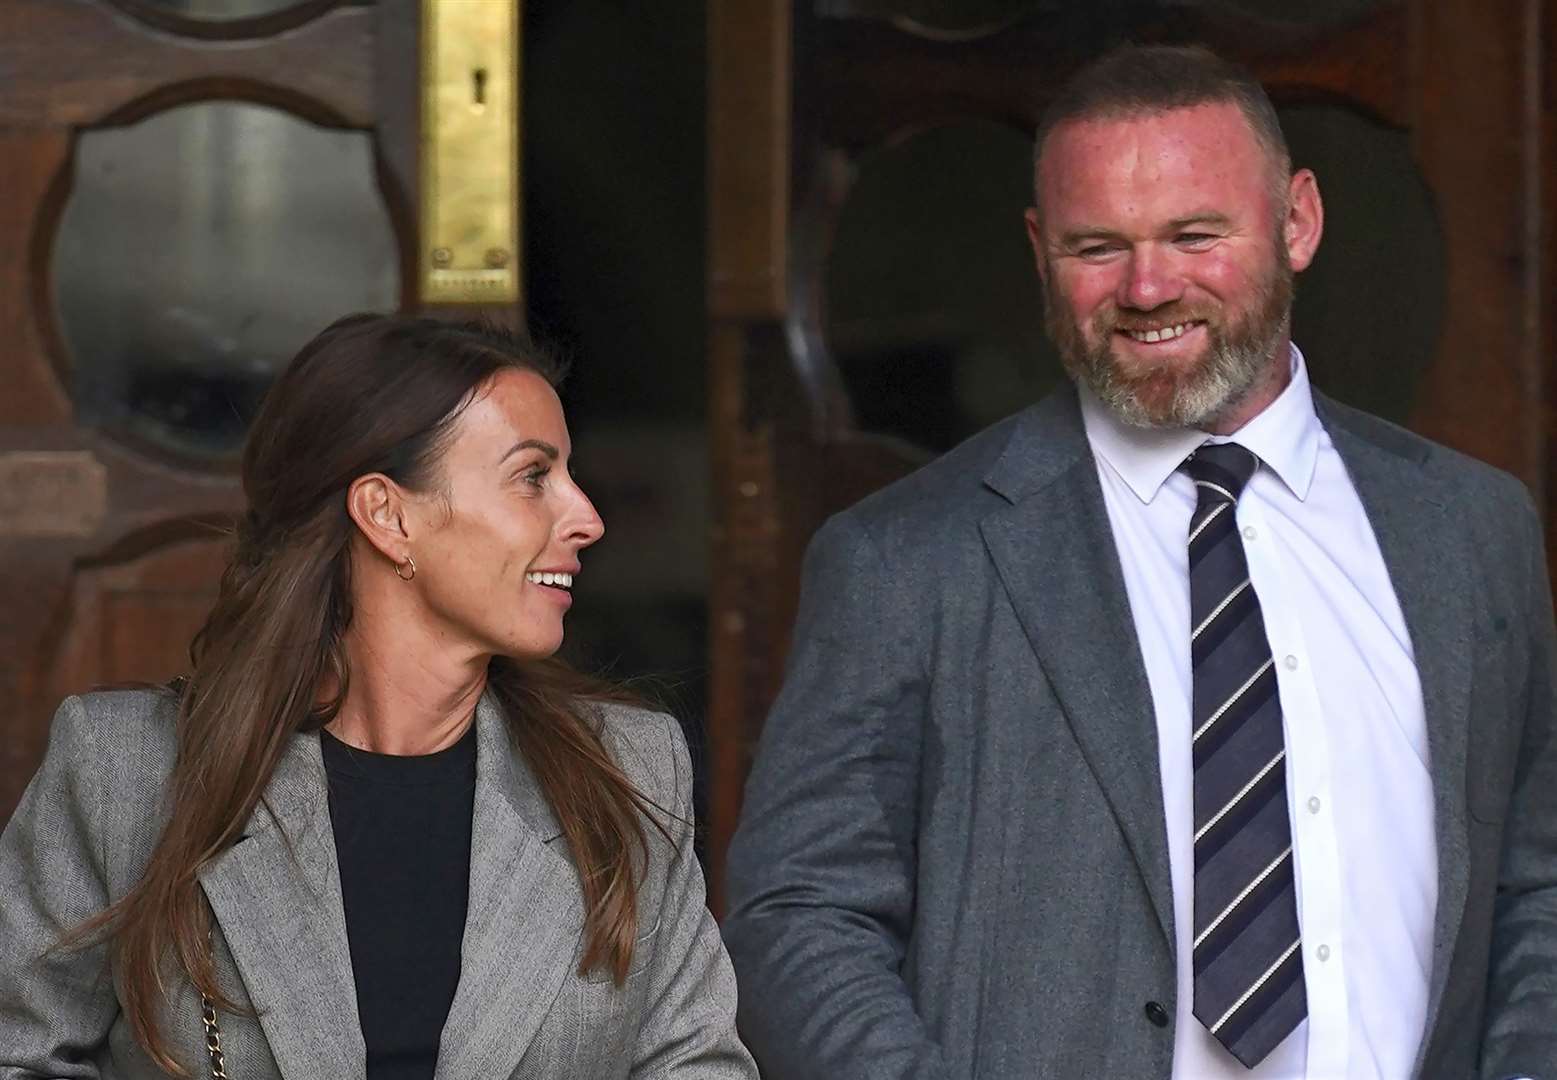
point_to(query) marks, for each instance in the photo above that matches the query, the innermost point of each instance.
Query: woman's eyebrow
(531, 444)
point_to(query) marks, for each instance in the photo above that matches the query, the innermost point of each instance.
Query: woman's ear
(377, 506)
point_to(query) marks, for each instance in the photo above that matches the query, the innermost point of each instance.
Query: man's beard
(1238, 356)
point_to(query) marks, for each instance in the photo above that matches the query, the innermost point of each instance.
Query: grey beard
(1233, 365)
(1229, 373)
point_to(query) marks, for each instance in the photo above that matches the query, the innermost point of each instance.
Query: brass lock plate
(469, 243)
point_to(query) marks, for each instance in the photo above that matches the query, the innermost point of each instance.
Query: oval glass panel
(1370, 308)
(1310, 13)
(933, 309)
(953, 16)
(198, 250)
(970, 16)
(221, 10)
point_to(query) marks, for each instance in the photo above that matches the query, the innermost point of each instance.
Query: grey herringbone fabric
(1248, 961)
(523, 1011)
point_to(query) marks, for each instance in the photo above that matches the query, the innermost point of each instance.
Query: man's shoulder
(1450, 476)
(953, 492)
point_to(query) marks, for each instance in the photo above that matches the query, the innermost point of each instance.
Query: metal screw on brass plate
(497, 258)
(442, 256)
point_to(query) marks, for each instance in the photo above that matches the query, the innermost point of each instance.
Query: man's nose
(1150, 280)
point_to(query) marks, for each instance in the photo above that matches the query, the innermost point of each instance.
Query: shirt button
(1323, 952)
(1313, 804)
(1290, 662)
(1156, 1013)
(1250, 532)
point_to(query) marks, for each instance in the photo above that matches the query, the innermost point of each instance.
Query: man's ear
(1035, 241)
(377, 507)
(1305, 220)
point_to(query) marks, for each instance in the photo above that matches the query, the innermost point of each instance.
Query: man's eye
(1097, 251)
(1194, 239)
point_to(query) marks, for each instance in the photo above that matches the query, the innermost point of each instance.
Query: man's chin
(1155, 399)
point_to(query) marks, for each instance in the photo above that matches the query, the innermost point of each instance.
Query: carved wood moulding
(77, 64)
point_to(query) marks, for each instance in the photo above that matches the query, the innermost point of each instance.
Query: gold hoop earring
(409, 562)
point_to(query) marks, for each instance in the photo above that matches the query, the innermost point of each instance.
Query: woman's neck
(406, 696)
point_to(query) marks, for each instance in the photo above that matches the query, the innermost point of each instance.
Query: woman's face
(498, 537)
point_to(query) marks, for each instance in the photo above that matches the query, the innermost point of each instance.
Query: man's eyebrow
(1086, 233)
(531, 444)
(1207, 217)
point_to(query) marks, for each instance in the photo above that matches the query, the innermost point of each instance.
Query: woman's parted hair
(371, 393)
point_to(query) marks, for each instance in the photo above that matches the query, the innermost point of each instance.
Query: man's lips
(1161, 333)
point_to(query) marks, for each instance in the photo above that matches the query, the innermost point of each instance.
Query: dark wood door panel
(75, 63)
(110, 552)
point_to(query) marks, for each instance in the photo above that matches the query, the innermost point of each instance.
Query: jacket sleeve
(821, 871)
(56, 1004)
(1520, 1033)
(688, 1029)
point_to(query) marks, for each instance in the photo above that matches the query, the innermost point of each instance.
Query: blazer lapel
(277, 898)
(1423, 552)
(525, 917)
(1054, 551)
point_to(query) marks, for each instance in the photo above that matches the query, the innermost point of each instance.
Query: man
(1187, 723)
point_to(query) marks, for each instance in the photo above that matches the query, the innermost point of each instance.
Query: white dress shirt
(1358, 786)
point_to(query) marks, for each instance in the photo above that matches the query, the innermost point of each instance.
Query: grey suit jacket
(85, 828)
(952, 860)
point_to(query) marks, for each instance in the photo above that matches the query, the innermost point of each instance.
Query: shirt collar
(1285, 436)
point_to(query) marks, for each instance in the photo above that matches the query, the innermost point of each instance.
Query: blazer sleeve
(1520, 1033)
(56, 1004)
(821, 871)
(688, 1029)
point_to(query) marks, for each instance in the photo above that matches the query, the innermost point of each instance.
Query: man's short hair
(1142, 80)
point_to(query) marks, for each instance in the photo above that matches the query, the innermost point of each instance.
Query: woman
(378, 832)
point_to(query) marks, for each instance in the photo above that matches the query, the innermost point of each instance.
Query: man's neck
(1277, 377)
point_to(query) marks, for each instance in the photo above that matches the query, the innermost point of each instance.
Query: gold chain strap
(213, 1039)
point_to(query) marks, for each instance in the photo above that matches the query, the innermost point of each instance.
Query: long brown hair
(371, 393)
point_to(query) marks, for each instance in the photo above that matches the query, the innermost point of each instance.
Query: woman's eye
(535, 477)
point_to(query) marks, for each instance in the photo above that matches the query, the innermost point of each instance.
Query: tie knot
(1220, 470)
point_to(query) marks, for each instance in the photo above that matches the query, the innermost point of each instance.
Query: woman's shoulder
(144, 717)
(127, 738)
(103, 776)
(650, 748)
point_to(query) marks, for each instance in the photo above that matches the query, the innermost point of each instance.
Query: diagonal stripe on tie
(1222, 605)
(1233, 698)
(1247, 952)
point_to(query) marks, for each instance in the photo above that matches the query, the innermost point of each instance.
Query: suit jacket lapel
(1424, 552)
(525, 918)
(277, 898)
(1053, 548)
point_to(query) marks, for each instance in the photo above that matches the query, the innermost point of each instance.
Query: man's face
(1167, 251)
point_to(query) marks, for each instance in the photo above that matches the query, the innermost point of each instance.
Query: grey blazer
(85, 828)
(952, 860)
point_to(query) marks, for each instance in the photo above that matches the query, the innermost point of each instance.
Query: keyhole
(479, 89)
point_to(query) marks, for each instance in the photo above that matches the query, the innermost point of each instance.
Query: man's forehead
(1199, 153)
(1210, 127)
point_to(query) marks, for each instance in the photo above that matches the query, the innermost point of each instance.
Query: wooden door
(189, 185)
(807, 96)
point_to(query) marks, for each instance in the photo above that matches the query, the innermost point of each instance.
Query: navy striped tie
(1248, 961)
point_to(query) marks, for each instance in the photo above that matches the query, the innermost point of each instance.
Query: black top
(402, 838)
